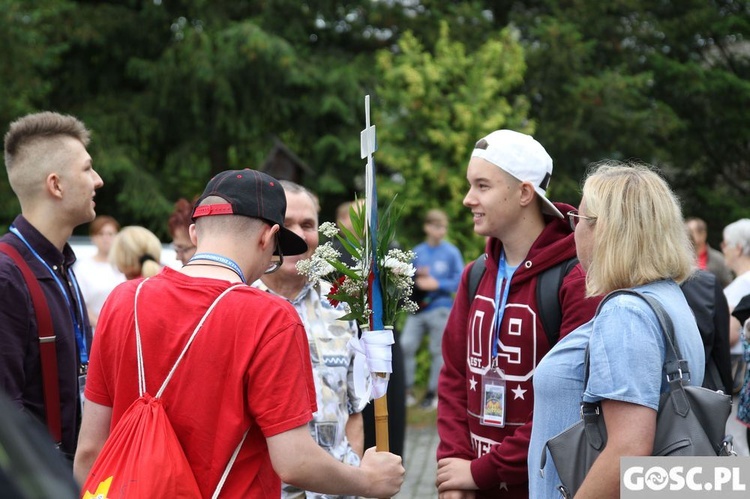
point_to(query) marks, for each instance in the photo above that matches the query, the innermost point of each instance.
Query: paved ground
(421, 444)
(738, 430)
(419, 461)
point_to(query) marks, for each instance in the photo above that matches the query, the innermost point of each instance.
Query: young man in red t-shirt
(248, 368)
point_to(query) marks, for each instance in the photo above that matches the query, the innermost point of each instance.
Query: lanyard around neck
(502, 289)
(77, 324)
(222, 260)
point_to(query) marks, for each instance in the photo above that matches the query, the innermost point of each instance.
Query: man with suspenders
(44, 330)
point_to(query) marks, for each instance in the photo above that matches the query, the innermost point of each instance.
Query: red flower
(334, 290)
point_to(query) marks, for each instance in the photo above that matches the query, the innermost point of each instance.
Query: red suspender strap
(47, 347)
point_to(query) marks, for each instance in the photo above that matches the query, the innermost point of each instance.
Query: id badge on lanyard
(493, 398)
(493, 381)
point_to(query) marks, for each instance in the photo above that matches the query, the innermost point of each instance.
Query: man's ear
(527, 193)
(268, 237)
(53, 185)
(193, 234)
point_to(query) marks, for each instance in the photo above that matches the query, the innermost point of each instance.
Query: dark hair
(702, 227)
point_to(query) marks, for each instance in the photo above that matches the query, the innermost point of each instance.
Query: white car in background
(83, 247)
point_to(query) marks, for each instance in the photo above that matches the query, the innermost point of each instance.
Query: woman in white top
(736, 249)
(96, 276)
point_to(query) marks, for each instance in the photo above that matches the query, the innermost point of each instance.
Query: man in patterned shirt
(337, 426)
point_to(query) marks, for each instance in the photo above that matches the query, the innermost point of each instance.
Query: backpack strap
(228, 468)
(47, 343)
(548, 300)
(139, 347)
(142, 376)
(475, 275)
(547, 293)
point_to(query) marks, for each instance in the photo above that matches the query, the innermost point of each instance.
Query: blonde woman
(136, 252)
(629, 234)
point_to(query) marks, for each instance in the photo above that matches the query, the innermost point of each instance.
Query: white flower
(401, 255)
(326, 252)
(303, 267)
(361, 267)
(323, 268)
(328, 229)
(350, 284)
(404, 284)
(398, 267)
(307, 269)
(410, 306)
(354, 287)
(317, 267)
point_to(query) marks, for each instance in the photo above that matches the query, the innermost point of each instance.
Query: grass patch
(418, 417)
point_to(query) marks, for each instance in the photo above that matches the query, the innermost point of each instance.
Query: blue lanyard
(502, 289)
(78, 325)
(213, 257)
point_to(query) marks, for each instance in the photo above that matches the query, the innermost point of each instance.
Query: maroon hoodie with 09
(499, 454)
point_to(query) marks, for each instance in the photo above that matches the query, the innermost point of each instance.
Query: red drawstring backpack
(142, 457)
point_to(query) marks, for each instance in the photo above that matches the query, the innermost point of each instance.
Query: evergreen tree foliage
(435, 106)
(177, 90)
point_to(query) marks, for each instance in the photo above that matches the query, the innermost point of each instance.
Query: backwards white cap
(521, 156)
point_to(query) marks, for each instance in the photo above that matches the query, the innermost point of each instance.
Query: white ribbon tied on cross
(372, 354)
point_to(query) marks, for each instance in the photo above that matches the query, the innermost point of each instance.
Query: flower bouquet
(350, 284)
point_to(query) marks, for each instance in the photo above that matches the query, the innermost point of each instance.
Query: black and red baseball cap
(254, 194)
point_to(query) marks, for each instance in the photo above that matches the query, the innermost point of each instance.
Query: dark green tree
(701, 65)
(664, 82)
(433, 105)
(177, 90)
(32, 46)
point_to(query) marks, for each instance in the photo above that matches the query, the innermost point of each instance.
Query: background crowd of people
(503, 378)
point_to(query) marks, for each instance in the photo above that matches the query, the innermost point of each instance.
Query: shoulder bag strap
(675, 366)
(139, 347)
(47, 341)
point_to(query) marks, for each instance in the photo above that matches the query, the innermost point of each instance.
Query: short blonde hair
(35, 146)
(639, 236)
(136, 249)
